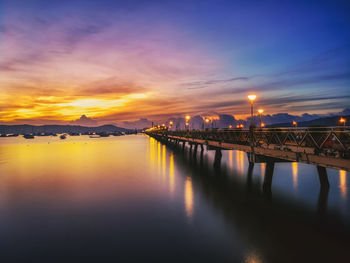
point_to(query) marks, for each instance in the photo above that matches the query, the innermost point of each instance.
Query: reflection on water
(230, 159)
(262, 173)
(295, 175)
(342, 180)
(188, 197)
(113, 196)
(171, 174)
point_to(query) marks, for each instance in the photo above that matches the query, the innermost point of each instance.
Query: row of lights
(252, 98)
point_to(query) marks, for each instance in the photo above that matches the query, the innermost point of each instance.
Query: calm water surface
(133, 199)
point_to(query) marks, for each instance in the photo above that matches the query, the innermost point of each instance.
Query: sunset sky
(120, 61)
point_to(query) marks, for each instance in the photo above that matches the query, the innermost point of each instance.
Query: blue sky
(124, 60)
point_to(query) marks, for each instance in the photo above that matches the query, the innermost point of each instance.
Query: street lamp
(251, 97)
(343, 121)
(187, 121)
(171, 124)
(206, 122)
(260, 111)
(295, 124)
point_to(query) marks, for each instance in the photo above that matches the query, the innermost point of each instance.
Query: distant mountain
(23, 129)
(326, 121)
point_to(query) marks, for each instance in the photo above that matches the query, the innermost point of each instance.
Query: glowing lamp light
(260, 111)
(241, 126)
(206, 120)
(171, 123)
(188, 117)
(237, 126)
(230, 126)
(262, 124)
(342, 120)
(294, 123)
(252, 97)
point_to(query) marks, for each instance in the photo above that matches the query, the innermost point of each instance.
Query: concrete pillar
(217, 158)
(195, 148)
(250, 174)
(322, 175)
(322, 201)
(270, 166)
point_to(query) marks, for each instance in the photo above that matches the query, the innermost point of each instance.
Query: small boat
(28, 136)
(63, 136)
(94, 136)
(103, 134)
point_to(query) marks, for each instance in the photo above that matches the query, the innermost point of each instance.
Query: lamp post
(251, 97)
(187, 121)
(260, 111)
(206, 122)
(343, 121)
(295, 124)
(171, 124)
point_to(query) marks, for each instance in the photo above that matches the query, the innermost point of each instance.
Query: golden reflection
(240, 161)
(152, 152)
(342, 180)
(163, 160)
(230, 156)
(159, 158)
(262, 168)
(171, 174)
(189, 197)
(295, 174)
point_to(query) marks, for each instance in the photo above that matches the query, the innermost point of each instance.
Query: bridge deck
(326, 147)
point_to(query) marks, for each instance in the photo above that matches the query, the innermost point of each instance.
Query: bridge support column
(195, 148)
(270, 166)
(217, 158)
(202, 148)
(322, 175)
(250, 174)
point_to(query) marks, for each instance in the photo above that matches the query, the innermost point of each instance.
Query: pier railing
(331, 142)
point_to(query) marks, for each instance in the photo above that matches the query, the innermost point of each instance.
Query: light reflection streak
(342, 182)
(171, 174)
(262, 168)
(240, 161)
(295, 174)
(230, 156)
(159, 160)
(152, 152)
(189, 197)
(163, 160)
